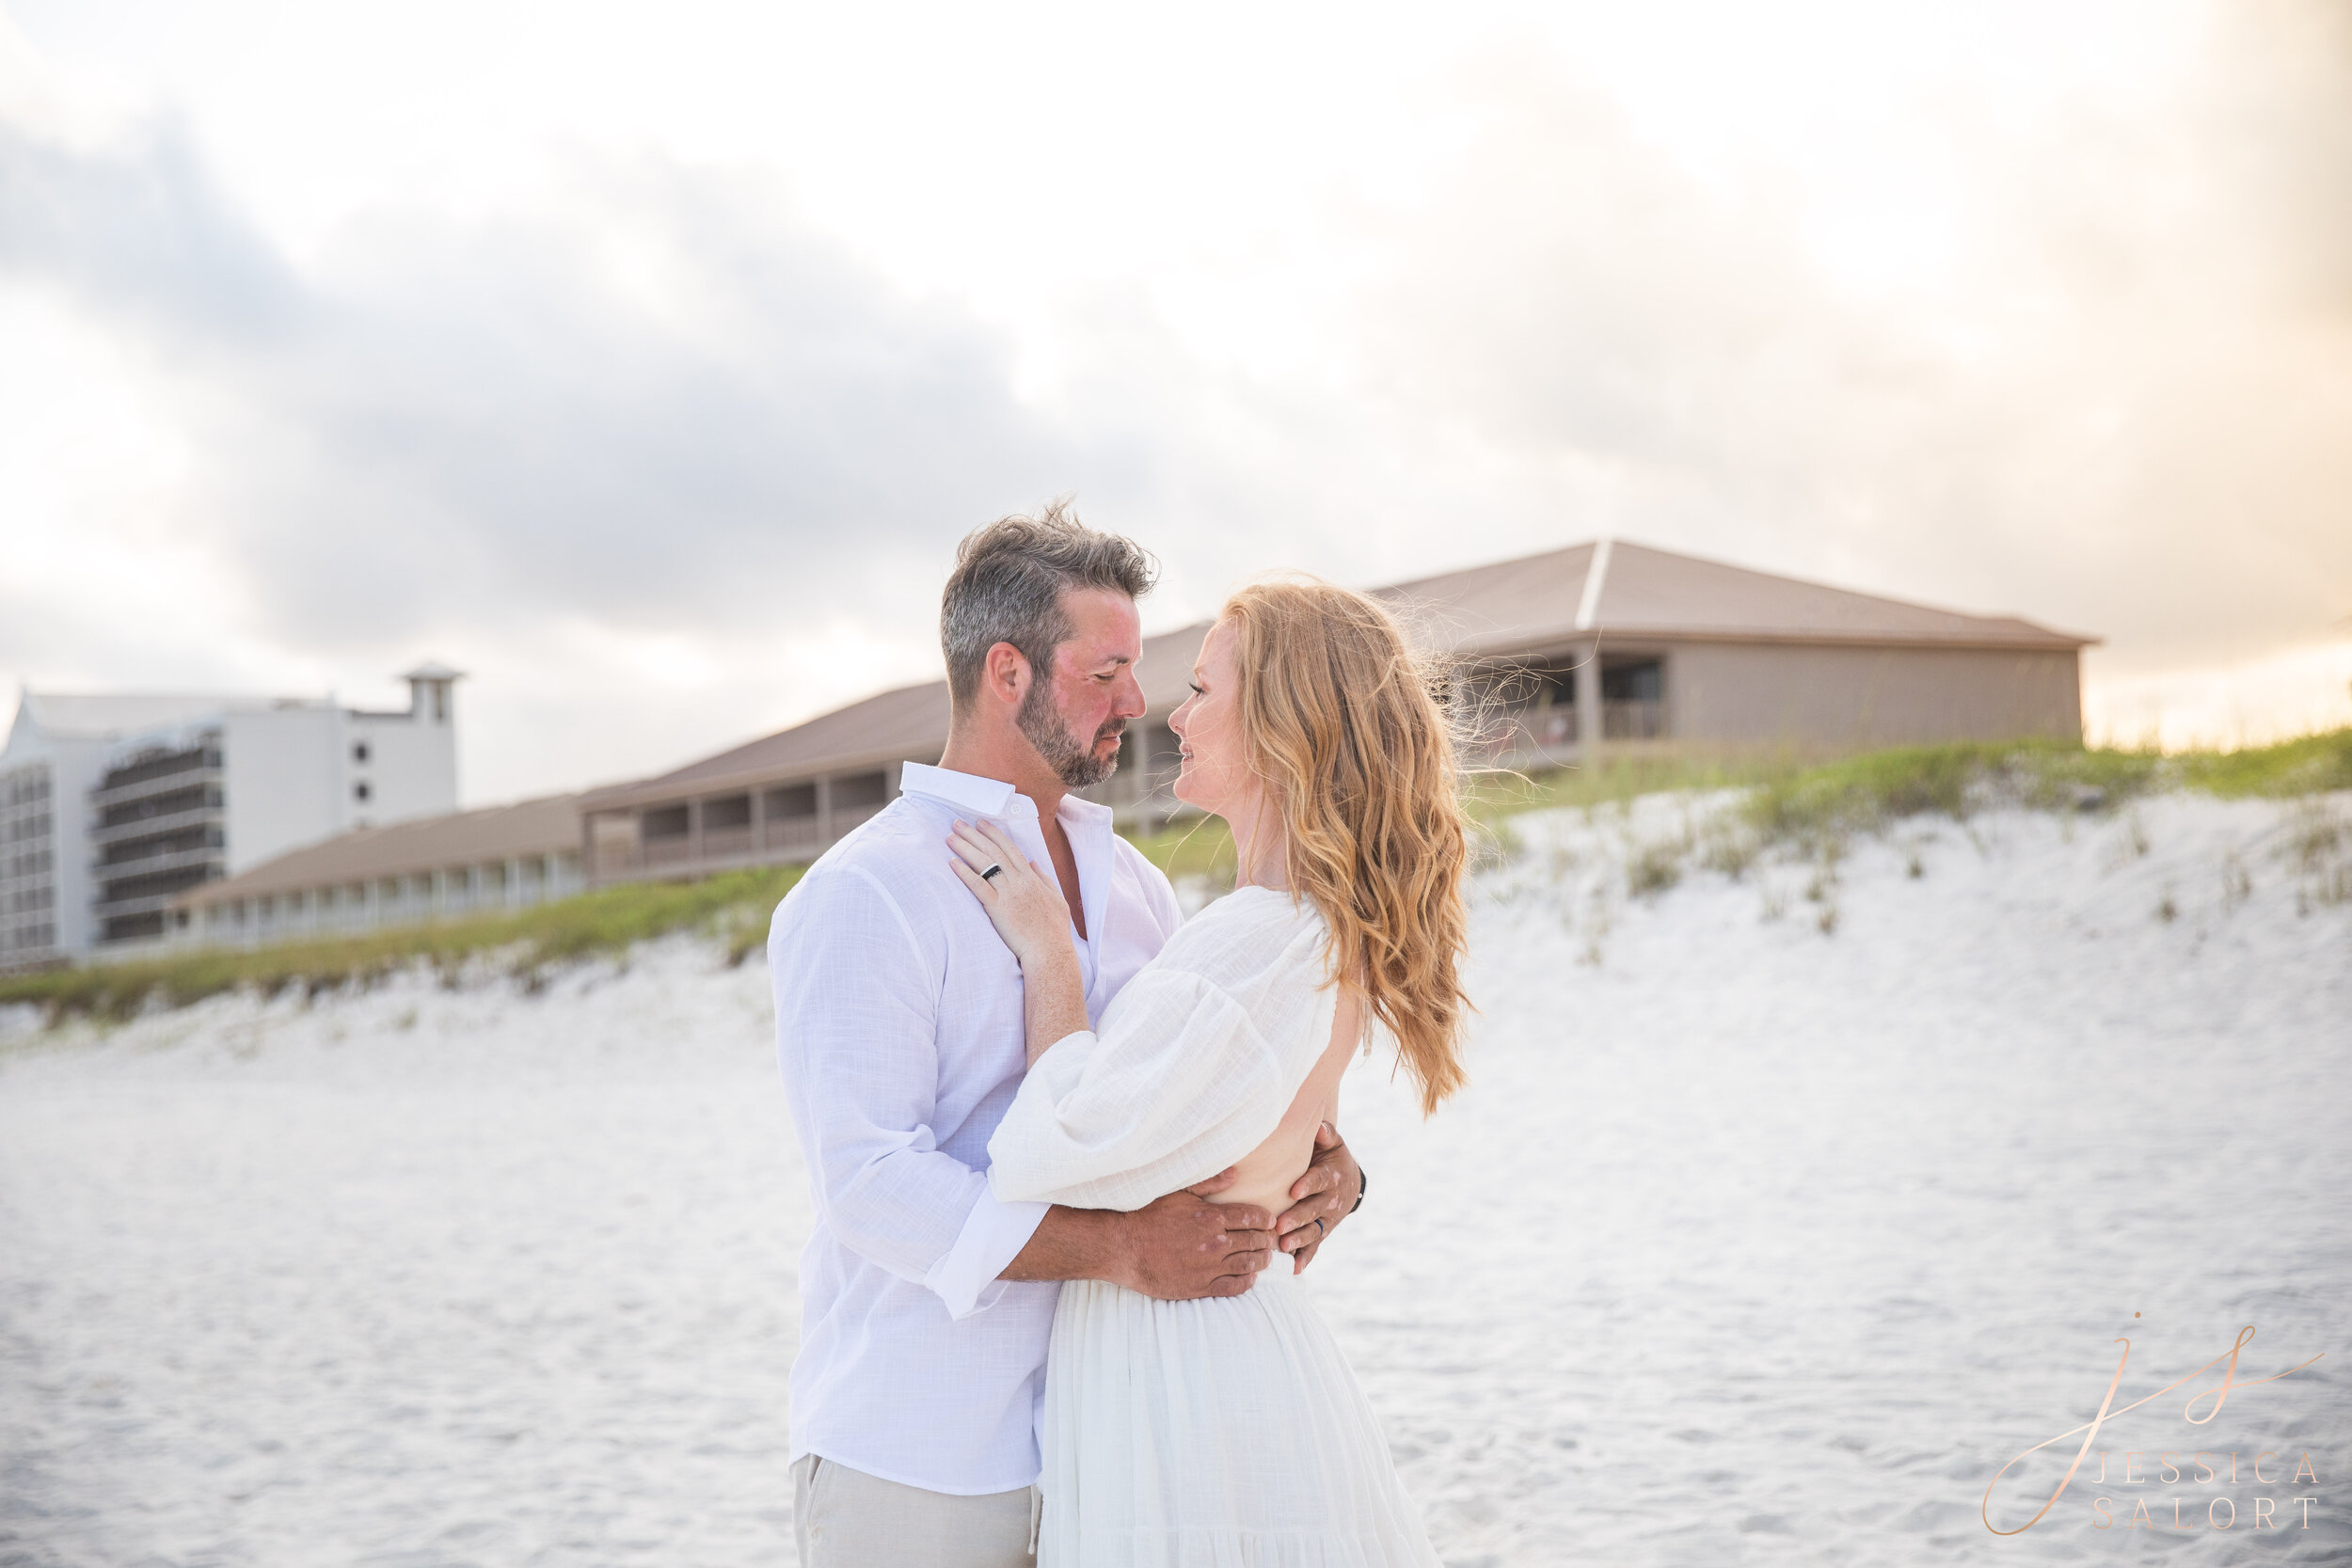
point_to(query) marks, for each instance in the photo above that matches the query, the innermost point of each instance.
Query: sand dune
(1752, 1242)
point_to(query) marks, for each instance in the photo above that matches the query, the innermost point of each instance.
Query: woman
(1230, 1431)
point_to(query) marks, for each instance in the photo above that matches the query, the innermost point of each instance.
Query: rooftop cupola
(429, 687)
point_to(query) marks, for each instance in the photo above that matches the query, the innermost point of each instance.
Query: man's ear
(1005, 674)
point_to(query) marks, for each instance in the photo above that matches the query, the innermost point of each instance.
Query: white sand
(1750, 1243)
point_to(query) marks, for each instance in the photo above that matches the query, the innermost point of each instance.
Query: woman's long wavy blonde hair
(1343, 724)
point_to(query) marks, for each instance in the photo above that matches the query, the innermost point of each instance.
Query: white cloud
(2251, 701)
(650, 371)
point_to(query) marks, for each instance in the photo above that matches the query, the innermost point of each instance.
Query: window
(1634, 700)
(859, 789)
(728, 810)
(1519, 689)
(1635, 681)
(358, 750)
(665, 822)
(791, 800)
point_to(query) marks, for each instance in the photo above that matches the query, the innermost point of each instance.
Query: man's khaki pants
(845, 1518)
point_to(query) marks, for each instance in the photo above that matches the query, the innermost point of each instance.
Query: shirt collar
(965, 791)
(993, 797)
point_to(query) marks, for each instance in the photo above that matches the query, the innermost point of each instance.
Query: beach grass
(734, 907)
(1810, 805)
(2308, 765)
(1868, 792)
(1791, 798)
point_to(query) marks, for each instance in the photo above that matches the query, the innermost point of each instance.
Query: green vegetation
(1791, 799)
(1197, 846)
(732, 906)
(1866, 793)
(2306, 766)
(1814, 808)
(1655, 868)
(1496, 796)
(1793, 802)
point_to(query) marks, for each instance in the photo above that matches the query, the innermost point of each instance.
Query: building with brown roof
(1600, 649)
(466, 863)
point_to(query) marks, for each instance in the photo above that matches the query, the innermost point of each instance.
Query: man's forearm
(1074, 1244)
(1174, 1248)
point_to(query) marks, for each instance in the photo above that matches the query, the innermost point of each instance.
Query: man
(926, 1304)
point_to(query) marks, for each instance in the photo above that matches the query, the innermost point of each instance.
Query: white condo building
(111, 806)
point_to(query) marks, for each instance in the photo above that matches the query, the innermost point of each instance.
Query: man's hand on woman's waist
(1180, 1247)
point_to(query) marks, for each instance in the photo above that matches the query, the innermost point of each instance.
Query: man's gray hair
(1007, 585)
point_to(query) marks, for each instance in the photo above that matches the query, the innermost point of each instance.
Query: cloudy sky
(647, 362)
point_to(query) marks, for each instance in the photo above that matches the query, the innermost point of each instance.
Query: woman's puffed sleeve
(1178, 1085)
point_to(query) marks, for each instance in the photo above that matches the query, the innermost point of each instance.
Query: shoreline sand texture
(1748, 1244)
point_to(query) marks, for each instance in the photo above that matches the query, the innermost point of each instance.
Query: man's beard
(1077, 765)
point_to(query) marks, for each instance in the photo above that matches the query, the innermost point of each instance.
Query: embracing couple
(1055, 1132)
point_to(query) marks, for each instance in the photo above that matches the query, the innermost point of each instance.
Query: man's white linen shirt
(899, 1029)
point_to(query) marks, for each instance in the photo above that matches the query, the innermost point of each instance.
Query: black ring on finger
(994, 867)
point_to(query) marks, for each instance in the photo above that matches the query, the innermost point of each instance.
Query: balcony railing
(791, 832)
(1555, 727)
(1633, 721)
(149, 865)
(160, 783)
(676, 850)
(127, 856)
(162, 763)
(147, 903)
(780, 838)
(1548, 727)
(721, 844)
(195, 817)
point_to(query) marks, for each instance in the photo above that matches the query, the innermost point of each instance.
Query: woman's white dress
(1227, 1432)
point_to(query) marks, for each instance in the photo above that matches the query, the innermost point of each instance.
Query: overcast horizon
(647, 365)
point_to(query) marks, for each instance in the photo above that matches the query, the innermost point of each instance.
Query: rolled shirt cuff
(993, 1236)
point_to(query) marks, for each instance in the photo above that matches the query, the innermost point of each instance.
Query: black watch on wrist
(1363, 1185)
